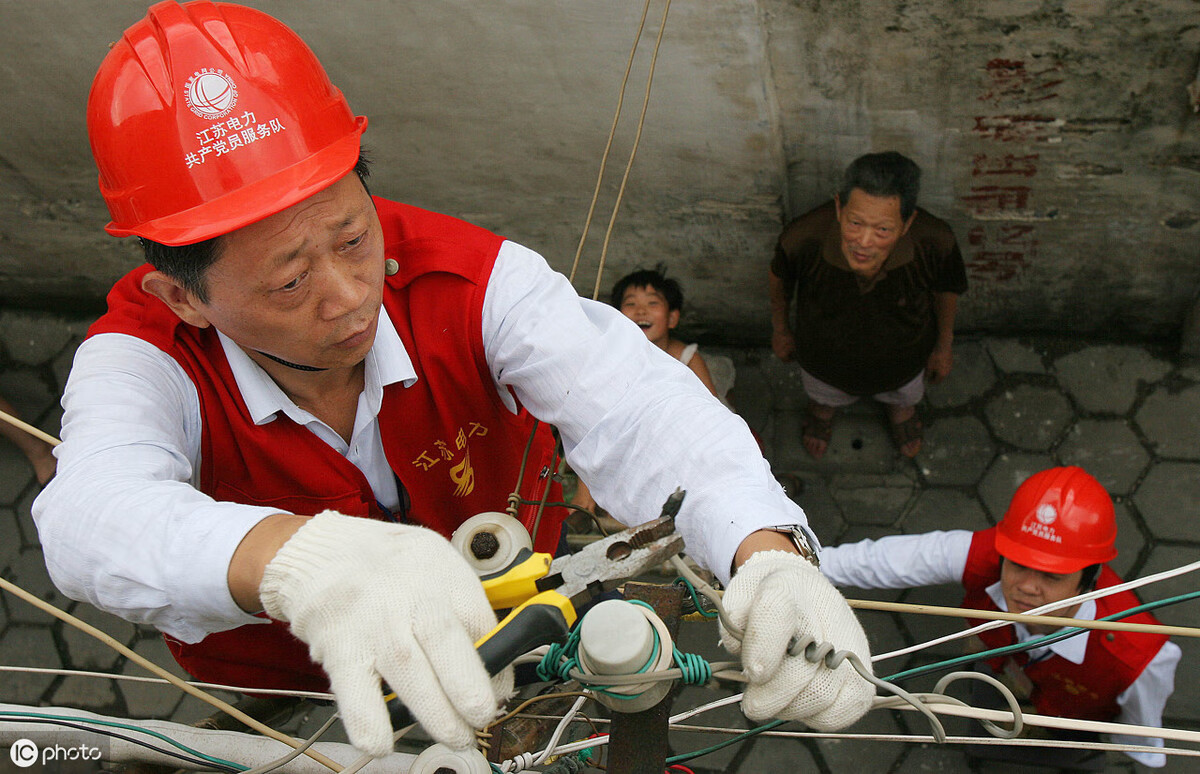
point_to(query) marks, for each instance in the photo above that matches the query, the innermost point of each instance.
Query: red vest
(450, 440)
(1086, 691)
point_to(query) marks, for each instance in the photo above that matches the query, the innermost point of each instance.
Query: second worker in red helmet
(1053, 544)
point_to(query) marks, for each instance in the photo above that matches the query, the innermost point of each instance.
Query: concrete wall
(1056, 137)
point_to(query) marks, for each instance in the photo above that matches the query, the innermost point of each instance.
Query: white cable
(519, 763)
(159, 681)
(1133, 584)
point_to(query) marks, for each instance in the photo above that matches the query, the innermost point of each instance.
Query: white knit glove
(777, 596)
(376, 600)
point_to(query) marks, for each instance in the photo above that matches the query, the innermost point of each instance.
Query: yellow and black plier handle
(543, 592)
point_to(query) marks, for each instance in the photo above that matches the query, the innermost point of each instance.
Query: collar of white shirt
(387, 362)
(1073, 649)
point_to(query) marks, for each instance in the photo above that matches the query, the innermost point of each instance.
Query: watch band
(800, 539)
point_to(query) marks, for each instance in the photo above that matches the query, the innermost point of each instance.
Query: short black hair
(1087, 581)
(189, 264)
(650, 278)
(884, 174)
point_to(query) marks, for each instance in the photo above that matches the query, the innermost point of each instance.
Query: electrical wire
(1037, 642)
(194, 757)
(1050, 607)
(316, 695)
(121, 648)
(275, 765)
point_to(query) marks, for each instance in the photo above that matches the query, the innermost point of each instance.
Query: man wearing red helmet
(298, 355)
(1053, 544)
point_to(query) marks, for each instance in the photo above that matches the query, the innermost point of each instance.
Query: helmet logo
(1046, 513)
(210, 93)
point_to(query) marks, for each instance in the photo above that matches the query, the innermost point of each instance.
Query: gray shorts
(827, 395)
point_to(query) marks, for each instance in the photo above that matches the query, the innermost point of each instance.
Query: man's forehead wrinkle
(297, 223)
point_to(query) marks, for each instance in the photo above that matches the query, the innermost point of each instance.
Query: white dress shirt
(123, 527)
(908, 561)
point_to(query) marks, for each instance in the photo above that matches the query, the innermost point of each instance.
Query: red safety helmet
(1059, 521)
(206, 117)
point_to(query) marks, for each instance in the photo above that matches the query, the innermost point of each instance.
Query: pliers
(544, 593)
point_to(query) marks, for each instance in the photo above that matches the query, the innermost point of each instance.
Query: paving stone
(89, 693)
(1163, 558)
(765, 755)
(29, 533)
(933, 759)
(812, 494)
(955, 452)
(15, 473)
(1169, 500)
(787, 390)
(1109, 450)
(28, 646)
(33, 339)
(860, 443)
(1007, 472)
(28, 570)
(1029, 417)
(1130, 541)
(872, 499)
(10, 537)
(972, 376)
(847, 754)
(61, 365)
(192, 710)
(942, 509)
(28, 392)
(85, 651)
(150, 700)
(751, 395)
(924, 628)
(1105, 378)
(1184, 704)
(1012, 356)
(1171, 422)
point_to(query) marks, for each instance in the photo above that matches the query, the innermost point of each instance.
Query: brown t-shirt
(866, 337)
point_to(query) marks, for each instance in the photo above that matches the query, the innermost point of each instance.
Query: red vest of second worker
(1086, 691)
(452, 443)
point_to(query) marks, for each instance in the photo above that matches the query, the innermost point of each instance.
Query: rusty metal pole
(639, 739)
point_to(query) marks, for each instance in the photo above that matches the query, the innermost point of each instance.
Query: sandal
(907, 432)
(815, 430)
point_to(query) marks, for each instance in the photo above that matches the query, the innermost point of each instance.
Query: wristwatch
(800, 540)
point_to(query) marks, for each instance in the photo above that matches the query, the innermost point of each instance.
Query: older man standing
(875, 282)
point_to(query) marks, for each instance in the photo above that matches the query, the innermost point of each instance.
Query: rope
(637, 138)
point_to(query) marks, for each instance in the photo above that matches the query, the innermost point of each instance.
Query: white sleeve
(899, 561)
(1142, 703)
(121, 525)
(635, 422)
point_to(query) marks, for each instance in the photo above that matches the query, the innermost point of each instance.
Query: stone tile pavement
(1129, 414)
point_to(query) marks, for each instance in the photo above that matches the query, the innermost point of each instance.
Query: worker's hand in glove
(776, 598)
(375, 600)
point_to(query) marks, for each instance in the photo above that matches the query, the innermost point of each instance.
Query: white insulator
(440, 759)
(618, 638)
(510, 537)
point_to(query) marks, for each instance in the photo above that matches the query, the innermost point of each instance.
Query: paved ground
(1128, 414)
